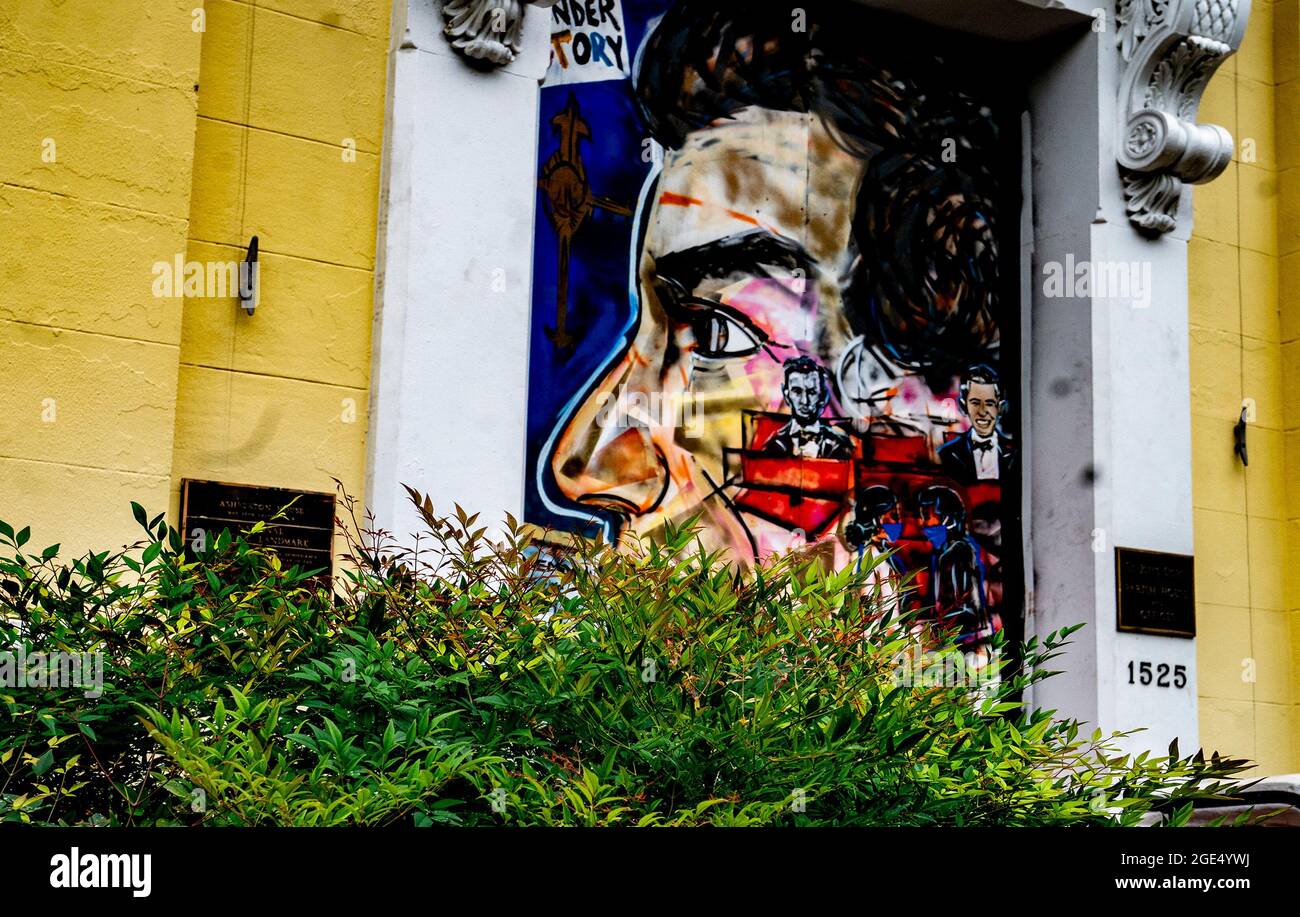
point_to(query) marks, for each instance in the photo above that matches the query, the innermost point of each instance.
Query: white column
(1110, 451)
(450, 342)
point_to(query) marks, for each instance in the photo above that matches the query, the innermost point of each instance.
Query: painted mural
(775, 286)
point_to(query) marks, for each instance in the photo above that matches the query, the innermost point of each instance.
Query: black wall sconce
(248, 279)
(1239, 435)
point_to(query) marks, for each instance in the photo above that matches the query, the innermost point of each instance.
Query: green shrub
(471, 683)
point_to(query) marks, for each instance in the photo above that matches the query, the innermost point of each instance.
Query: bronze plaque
(303, 536)
(1155, 593)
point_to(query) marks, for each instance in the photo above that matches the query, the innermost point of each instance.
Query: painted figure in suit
(807, 435)
(982, 453)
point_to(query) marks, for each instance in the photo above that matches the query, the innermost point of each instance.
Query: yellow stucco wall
(286, 147)
(1244, 264)
(98, 106)
(1287, 114)
(138, 132)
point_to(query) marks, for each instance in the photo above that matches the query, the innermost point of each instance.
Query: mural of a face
(748, 235)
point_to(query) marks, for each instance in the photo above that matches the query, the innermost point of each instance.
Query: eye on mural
(776, 287)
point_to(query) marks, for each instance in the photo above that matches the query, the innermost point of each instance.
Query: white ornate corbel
(487, 31)
(1171, 48)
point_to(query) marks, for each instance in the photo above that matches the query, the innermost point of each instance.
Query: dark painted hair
(924, 286)
(802, 366)
(946, 502)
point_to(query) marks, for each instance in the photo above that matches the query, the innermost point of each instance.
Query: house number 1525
(1162, 674)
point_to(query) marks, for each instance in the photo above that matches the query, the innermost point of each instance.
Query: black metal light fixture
(248, 279)
(1239, 435)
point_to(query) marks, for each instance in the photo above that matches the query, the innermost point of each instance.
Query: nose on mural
(607, 457)
(614, 468)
